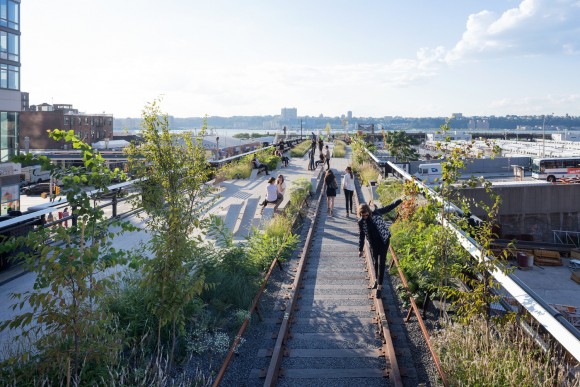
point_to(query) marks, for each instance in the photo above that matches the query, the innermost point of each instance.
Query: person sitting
(285, 157)
(320, 162)
(259, 166)
(272, 195)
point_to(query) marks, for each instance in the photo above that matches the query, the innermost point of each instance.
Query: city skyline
(374, 58)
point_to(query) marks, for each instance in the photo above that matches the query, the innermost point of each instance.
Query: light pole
(301, 129)
(544, 136)
(217, 148)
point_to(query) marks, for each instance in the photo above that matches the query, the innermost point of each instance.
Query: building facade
(35, 123)
(289, 113)
(10, 102)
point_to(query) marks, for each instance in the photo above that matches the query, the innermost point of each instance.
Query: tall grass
(300, 149)
(368, 172)
(508, 357)
(339, 149)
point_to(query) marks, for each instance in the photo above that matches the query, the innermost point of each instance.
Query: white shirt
(271, 192)
(347, 182)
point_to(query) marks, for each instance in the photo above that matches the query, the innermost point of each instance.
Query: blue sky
(375, 58)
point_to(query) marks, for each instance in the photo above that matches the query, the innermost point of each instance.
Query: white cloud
(535, 27)
(558, 103)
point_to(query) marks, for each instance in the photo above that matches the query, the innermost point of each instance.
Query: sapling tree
(176, 198)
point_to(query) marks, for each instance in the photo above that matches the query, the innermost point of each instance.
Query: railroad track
(334, 331)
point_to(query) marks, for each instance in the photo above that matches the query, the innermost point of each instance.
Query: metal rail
(274, 367)
(242, 330)
(419, 319)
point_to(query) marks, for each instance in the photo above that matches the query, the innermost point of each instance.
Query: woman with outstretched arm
(375, 230)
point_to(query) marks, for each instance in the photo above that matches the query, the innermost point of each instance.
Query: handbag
(334, 184)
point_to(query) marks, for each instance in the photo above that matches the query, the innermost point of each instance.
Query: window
(10, 14)
(9, 77)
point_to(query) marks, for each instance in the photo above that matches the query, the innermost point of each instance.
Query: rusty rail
(419, 319)
(277, 353)
(242, 330)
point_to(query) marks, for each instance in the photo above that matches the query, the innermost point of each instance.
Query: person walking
(331, 187)
(327, 157)
(348, 188)
(311, 162)
(50, 219)
(65, 214)
(375, 230)
(320, 145)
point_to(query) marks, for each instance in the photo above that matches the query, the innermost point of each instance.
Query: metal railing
(566, 237)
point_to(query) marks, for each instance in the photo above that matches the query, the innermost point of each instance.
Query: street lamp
(544, 136)
(301, 129)
(217, 148)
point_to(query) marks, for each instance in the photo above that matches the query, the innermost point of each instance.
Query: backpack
(334, 184)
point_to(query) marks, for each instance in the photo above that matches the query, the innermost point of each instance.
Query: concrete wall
(534, 211)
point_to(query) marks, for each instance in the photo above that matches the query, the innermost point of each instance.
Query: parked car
(39, 189)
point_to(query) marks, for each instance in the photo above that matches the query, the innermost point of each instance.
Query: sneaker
(378, 293)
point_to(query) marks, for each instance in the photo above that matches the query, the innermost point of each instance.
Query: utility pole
(301, 129)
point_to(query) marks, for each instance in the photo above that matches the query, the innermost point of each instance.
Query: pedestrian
(331, 187)
(320, 145)
(50, 219)
(311, 157)
(327, 157)
(320, 162)
(65, 214)
(348, 188)
(271, 195)
(375, 229)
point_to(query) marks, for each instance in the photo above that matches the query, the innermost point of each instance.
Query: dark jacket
(377, 229)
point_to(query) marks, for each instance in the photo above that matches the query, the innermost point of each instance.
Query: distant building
(90, 128)
(349, 115)
(10, 103)
(457, 115)
(478, 124)
(289, 113)
(566, 136)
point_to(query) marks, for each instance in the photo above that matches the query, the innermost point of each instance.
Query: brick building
(35, 123)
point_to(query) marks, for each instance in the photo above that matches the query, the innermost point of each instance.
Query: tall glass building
(10, 101)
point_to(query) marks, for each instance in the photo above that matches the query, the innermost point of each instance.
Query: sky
(376, 58)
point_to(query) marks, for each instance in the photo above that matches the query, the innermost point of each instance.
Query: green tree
(177, 199)
(63, 311)
(327, 129)
(400, 145)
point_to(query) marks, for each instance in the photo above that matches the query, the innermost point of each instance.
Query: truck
(33, 174)
(429, 173)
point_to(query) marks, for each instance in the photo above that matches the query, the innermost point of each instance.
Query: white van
(33, 174)
(429, 173)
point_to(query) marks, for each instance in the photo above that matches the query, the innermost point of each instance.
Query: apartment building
(35, 123)
(10, 103)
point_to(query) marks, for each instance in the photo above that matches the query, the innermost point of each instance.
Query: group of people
(324, 155)
(274, 192)
(61, 215)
